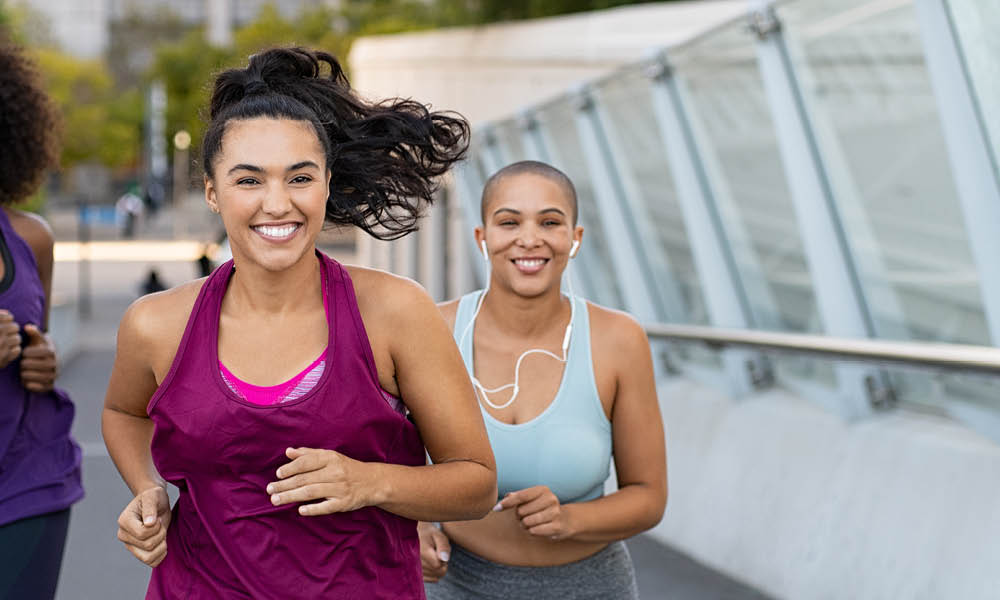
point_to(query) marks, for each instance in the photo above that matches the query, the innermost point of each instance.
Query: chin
(277, 260)
(532, 289)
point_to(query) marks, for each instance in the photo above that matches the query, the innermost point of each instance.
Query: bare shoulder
(449, 310)
(383, 295)
(616, 331)
(154, 324)
(33, 229)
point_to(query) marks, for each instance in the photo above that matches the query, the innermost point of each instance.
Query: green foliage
(100, 124)
(187, 67)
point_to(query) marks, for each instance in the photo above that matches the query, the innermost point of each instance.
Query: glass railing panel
(976, 25)
(726, 101)
(627, 102)
(864, 78)
(508, 136)
(558, 128)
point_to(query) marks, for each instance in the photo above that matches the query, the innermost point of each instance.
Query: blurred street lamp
(182, 141)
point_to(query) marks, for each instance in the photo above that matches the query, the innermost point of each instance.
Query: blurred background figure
(39, 460)
(128, 209)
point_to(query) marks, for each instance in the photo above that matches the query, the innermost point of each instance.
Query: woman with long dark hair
(566, 387)
(275, 393)
(39, 461)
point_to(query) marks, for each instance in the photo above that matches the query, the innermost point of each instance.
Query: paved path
(97, 567)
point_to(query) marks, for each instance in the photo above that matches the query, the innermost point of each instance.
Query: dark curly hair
(384, 157)
(29, 125)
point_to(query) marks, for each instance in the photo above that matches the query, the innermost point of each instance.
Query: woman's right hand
(10, 338)
(142, 526)
(435, 550)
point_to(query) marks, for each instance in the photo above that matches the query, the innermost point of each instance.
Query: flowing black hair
(384, 157)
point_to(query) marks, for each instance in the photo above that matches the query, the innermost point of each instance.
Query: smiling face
(270, 185)
(529, 232)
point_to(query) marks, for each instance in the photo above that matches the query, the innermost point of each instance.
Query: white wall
(785, 496)
(491, 71)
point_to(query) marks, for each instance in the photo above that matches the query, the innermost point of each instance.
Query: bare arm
(417, 348)
(639, 448)
(125, 425)
(461, 484)
(38, 235)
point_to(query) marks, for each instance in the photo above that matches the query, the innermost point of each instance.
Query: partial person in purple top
(314, 496)
(39, 461)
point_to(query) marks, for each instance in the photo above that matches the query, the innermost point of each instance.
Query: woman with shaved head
(565, 386)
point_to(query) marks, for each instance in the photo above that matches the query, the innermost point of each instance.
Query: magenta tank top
(226, 540)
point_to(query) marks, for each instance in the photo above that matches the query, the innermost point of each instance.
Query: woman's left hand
(343, 484)
(540, 512)
(38, 361)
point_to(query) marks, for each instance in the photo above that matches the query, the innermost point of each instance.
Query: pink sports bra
(297, 386)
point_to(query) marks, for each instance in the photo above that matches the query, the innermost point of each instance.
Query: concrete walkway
(97, 566)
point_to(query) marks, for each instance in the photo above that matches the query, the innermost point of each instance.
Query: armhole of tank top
(462, 315)
(359, 325)
(597, 405)
(8, 262)
(182, 346)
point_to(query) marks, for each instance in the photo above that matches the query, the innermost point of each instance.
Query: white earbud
(486, 254)
(572, 251)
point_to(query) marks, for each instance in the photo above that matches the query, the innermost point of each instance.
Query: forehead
(265, 142)
(527, 193)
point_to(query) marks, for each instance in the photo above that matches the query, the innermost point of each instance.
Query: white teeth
(276, 232)
(529, 262)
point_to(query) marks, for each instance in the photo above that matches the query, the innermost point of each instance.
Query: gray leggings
(607, 575)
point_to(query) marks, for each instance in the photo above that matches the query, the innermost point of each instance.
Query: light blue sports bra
(568, 446)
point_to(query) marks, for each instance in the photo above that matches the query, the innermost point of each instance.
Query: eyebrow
(255, 169)
(541, 212)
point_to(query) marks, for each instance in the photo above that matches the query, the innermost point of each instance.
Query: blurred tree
(187, 67)
(101, 124)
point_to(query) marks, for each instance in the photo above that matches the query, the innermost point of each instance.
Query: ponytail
(385, 157)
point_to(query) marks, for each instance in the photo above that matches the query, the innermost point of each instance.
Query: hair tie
(255, 87)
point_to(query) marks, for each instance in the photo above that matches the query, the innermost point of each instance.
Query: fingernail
(149, 520)
(270, 488)
(275, 498)
(444, 556)
(498, 507)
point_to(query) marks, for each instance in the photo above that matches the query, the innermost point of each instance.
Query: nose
(277, 201)
(528, 237)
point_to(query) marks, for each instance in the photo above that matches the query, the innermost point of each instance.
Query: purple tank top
(226, 540)
(39, 461)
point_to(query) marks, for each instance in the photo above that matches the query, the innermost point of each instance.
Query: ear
(480, 235)
(211, 199)
(577, 239)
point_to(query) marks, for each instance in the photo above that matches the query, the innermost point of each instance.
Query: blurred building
(85, 27)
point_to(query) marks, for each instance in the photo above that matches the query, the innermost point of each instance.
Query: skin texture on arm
(148, 337)
(418, 361)
(38, 357)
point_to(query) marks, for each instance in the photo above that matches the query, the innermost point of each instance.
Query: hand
(435, 550)
(10, 338)
(342, 483)
(38, 361)
(142, 526)
(539, 511)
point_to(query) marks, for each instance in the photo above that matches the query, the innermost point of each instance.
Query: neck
(524, 317)
(253, 289)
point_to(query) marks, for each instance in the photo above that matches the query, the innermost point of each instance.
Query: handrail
(951, 357)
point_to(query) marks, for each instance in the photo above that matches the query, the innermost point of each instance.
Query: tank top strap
(463, 337)
(346, 325)
(203, 318)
